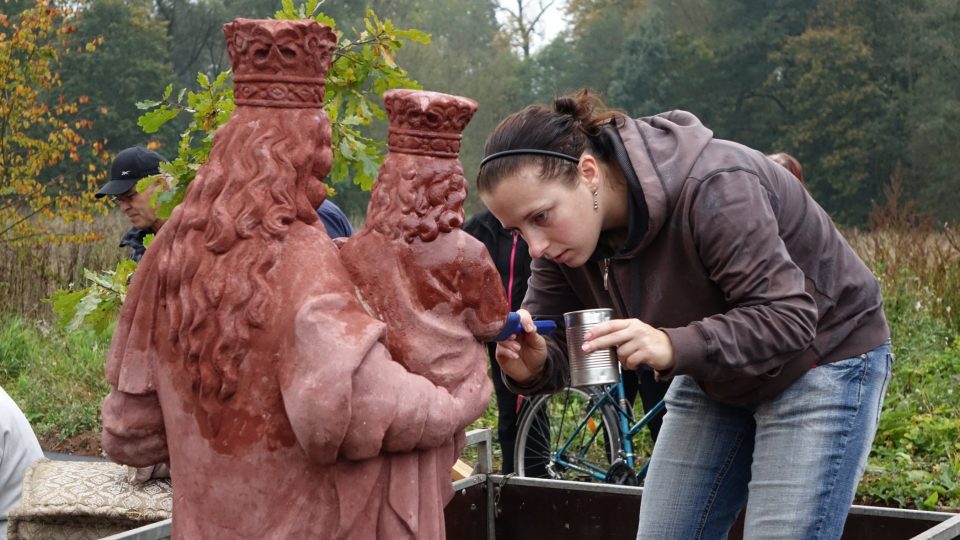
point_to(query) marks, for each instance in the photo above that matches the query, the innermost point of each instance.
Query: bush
(56, 378)
(15, 350)
(916, 453)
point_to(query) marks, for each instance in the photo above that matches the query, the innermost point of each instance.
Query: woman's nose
(537, 246)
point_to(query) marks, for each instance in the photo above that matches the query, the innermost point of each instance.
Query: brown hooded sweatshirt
(730, 256)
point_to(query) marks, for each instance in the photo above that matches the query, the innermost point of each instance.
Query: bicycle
(582, 434)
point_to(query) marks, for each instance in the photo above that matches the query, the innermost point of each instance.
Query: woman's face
(557, 220)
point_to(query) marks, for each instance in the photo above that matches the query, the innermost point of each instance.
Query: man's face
(137, 207)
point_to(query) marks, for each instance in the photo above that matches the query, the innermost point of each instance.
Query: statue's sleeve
(346, 398)
(482, 291)
(133, 432)
(133, 429)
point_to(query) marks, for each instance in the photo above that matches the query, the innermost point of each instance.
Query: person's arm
(346, 398)
(549, 296)
(773, 318)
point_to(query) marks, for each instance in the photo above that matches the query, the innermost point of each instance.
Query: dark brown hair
(789, 163)
(573, 125)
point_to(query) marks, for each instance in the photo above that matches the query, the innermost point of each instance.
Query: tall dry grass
(912, 256)
(906, 249)
(29, 275)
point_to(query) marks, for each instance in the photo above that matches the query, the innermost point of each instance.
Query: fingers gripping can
(589, 369)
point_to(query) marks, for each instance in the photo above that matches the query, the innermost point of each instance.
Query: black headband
(527, 151)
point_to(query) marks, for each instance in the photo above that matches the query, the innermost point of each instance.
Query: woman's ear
(589, 171)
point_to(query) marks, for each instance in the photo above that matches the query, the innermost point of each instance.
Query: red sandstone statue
(412, 242)
(243, 356)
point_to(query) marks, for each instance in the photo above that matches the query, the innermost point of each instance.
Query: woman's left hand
(636, 342)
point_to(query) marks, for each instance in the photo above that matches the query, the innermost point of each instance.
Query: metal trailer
(489, 506)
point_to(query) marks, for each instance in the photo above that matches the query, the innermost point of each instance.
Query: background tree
(38, 131)
(523, 18)
(114, 79)
(931, 134)
(831, 102)
(585, 55)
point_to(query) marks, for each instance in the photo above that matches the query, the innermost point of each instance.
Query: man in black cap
(127, 168)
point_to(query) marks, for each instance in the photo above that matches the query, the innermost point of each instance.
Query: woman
(727, 278)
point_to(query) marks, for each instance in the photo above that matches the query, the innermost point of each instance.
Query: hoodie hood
(662, 151)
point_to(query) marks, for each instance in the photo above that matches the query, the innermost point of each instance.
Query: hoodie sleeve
(773, 319)
(549, 296)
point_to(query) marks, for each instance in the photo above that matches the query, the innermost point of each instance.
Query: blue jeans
(794, 462)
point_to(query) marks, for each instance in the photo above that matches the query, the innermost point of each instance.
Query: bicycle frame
(575, 463)
(626, 432)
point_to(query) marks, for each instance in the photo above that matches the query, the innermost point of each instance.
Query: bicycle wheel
(557, 439)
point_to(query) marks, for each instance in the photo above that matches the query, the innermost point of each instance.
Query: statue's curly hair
(423, 195)
(261, 177)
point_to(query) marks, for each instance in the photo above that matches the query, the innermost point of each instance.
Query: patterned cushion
(77, 500)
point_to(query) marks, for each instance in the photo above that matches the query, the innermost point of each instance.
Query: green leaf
(345, 148)
(144, 105)
(125, 269)
(287, 11)
(203, 80)
(323, 19)
(104, 280)
(417, 36)
(86, 306)
(65, 304)
(155, 119)
(221, 79)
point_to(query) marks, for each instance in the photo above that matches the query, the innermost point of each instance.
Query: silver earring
(596, 200)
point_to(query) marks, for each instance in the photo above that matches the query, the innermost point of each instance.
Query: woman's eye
(540, 218)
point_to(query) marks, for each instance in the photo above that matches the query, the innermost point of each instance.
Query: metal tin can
(589, 369)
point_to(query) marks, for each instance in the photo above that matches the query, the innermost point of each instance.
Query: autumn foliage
(42, 147)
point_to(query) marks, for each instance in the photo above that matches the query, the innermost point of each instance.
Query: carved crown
(279, 63)
(427, 123)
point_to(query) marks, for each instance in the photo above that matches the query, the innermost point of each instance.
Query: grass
(916, 453)
(56, 378)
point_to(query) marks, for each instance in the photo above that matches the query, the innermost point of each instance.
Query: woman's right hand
(522, 356)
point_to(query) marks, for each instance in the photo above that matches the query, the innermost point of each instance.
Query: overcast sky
(550, 25)
(553, 23)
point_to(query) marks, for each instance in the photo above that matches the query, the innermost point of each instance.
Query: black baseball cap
(129, 166)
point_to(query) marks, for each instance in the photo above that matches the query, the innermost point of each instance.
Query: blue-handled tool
(512, 326)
